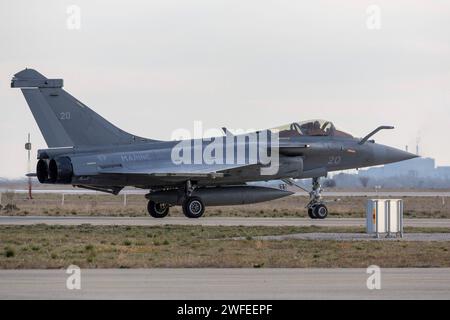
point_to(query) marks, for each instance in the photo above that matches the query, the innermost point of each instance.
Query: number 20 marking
(334, 160)
(64, 116)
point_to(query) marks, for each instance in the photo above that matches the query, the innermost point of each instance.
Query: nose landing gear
(316, 206)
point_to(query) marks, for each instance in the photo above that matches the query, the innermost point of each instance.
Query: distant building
(443, 172)
(417, 167)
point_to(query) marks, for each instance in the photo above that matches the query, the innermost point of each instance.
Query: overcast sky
(151, 67)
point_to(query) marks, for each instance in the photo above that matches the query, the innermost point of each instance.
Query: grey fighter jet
(87, 151)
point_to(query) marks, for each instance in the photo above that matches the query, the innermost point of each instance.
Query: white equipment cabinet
(384, 216)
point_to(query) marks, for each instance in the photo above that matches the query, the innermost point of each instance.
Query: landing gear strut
(316, 207)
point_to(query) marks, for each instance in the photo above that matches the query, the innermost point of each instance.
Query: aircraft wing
(180, 171)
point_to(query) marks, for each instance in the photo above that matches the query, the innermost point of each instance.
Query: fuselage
(322, 155)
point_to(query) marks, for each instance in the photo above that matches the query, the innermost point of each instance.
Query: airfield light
(28, 148)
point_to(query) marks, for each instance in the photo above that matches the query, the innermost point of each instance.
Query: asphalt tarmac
(208, 221)
(226, 284)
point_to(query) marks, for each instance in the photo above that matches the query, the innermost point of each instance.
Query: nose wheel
(318, 211)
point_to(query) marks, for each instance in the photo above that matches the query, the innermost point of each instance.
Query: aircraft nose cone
(395, 155)
(385, 154)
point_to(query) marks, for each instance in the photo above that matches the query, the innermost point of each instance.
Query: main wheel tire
(311, 213)
(193, 207)
(320, 211)
(157, 210)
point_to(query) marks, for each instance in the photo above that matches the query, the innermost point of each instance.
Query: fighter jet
(87, 151)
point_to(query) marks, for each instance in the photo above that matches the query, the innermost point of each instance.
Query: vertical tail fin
(63, 120)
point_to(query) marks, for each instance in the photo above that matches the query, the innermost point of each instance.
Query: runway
(326, 193)
(207, 221)
(199, 284)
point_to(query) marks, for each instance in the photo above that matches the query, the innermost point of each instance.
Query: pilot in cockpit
(316, 131)
(312, 129)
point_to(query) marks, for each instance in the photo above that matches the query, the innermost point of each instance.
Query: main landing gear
(316, 206)
(193, 207)
(157, 210)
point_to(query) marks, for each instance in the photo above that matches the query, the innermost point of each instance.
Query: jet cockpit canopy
(310, 128)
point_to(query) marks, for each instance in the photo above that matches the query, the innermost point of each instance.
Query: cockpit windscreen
(310, 128)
